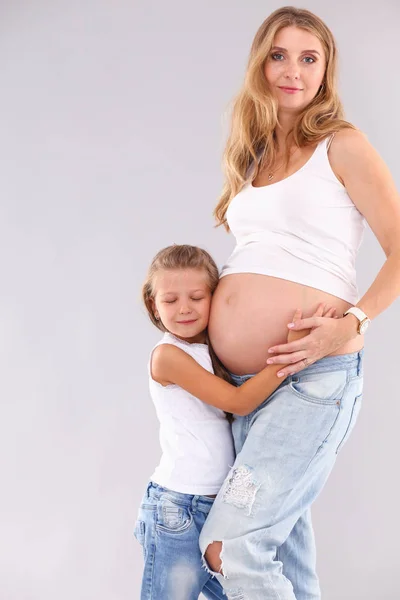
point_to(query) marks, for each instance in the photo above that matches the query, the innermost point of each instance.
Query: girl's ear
(154, 309)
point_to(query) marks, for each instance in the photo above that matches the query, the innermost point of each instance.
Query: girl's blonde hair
(183, 257)
(177, 257)
(252, 139)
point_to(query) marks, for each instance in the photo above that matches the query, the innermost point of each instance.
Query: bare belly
(250, 313)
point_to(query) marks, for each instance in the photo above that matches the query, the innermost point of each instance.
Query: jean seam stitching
(357, 399)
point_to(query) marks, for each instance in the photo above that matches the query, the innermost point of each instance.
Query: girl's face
(182, 302)
(295, 68)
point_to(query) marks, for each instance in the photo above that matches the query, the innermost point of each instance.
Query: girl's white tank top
(196, 439)
(304, 228)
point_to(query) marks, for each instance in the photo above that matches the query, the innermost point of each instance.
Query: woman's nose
(292, 71)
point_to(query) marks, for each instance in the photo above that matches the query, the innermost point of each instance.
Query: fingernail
(280, 374)
(269, 361)
(291, 325)
(271, 350)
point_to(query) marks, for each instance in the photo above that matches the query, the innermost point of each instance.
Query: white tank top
(196, 439)
(304, 228)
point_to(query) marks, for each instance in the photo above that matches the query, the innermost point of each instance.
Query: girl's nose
(185, 309)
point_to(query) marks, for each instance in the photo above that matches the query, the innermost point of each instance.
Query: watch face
(364, 326)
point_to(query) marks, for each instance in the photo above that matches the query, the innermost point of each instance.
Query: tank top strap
(323, 145)
(319, 159)
(329, 139)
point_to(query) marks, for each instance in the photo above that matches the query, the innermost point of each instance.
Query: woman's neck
(286, 123)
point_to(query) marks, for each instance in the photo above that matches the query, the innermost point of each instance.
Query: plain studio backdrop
(113, 116)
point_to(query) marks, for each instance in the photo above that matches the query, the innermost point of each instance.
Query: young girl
(195, 434)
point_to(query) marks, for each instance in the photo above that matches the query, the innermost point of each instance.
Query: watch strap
(363, 319)
(357, 312)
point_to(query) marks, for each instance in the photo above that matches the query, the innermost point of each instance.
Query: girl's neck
(200, 338)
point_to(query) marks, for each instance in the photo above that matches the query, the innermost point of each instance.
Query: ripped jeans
(285, 449)
(167, 528)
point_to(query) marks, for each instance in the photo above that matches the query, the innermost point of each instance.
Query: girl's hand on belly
(324, 334)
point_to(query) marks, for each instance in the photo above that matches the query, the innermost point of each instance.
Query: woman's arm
(171, 365)
(371, 187)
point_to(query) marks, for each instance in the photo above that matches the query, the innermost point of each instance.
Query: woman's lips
(289, 90)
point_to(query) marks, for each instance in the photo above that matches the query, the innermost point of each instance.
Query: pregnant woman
(300, 184)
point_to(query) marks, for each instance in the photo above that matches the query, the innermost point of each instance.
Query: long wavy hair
(252, 139)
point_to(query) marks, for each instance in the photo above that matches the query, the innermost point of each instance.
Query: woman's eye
(197, 298)
(278, 56)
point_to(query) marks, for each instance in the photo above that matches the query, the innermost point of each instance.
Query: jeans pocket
(320, 388)
(173, 518)
(139, 531)
(140, 534)
(353, 418)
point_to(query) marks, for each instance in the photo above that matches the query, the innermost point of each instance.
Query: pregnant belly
(250, 313)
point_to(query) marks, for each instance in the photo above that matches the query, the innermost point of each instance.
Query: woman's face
(295, 68)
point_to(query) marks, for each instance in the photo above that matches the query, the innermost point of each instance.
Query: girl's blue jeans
(168, 528)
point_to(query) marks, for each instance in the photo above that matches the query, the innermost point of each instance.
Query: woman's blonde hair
(252, 139)
(182, 257)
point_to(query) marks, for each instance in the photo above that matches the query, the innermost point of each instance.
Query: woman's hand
(325, 335)
(322, 311)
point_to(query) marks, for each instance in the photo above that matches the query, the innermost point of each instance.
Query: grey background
(112, 121)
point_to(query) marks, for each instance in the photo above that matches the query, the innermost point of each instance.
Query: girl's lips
(186, 322)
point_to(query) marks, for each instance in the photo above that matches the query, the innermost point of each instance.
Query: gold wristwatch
(363, 320)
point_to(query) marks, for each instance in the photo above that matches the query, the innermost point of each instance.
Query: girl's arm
(171, 365)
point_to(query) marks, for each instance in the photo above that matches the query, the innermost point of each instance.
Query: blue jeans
(286, 449)
(168, 528)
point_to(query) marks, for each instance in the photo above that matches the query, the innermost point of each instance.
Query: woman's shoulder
(347, 148)
(348, 140)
